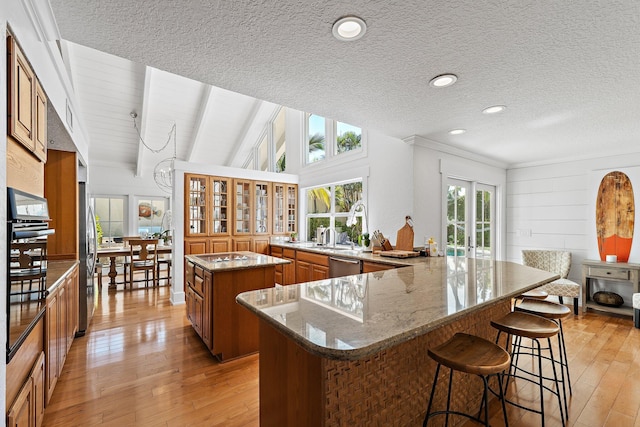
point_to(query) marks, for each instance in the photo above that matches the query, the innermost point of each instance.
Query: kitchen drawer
(609, 273)
(288, 253)
(199, 271)
(312, 258)
(198, 285)
(276, 251)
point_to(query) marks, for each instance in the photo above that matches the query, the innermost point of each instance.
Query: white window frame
(253, 159)
(330, 143)
(125, 209)
(332, 214)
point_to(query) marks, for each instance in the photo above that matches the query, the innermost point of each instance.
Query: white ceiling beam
(142, 119)
(238, 143)
(203, 112)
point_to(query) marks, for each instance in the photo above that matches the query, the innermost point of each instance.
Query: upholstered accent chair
(636, 310)
(558, 262)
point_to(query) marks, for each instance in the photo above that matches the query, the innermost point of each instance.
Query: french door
(470, 219)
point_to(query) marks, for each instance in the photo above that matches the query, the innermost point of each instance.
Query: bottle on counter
(433, 247)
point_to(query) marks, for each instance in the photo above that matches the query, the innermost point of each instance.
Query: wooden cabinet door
(196, 214)
(279, 213)
(303, 271)
(261, 245)
(219, 245)
(189, 302)
(62, 326)
(261, 208)
(195, 246)
(40, 134)
(22, 86)
(289, 272)
(207, 317)
(198, 313)
(292, 208)
(319, 272)
(38, 390)
(220, 206)
(21, 412)
(242, 217)
(52, 341)
(242, 244)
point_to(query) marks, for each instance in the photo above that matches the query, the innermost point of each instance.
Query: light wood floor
(142, 364)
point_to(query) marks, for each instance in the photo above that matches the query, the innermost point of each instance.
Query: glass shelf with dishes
(219, 206)
(243, 207)
(262, 193)
(197, 208)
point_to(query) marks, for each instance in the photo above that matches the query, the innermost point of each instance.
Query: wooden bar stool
(536, 328)
(472, 355)
(555, 312)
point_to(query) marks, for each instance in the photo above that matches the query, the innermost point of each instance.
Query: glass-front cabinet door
(196, 224)
(219, 206)
(292, 208)
(279, 214)
(242, 220)
(262, 193)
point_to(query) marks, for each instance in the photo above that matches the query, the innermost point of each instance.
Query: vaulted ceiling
(568, 73)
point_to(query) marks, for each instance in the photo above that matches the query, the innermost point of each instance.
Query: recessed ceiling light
(349, 28)
(494, 109)
(443, 80)
(457, 131)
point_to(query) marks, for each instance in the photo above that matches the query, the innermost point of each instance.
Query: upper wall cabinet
(207, 205)
(27, 103)
(285, 208)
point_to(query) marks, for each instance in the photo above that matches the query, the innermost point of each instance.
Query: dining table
(114, 252)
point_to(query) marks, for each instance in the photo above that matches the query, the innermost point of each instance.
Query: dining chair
(29, 265)
(143, 256)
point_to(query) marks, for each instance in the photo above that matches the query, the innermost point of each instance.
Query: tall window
(110, 214)
(316, 136)
(329, 206)
(347, 137)
(269, 153)
(150, 214)
(329, 138)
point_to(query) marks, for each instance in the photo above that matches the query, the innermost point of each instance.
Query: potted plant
(293, 237)
(98, 230)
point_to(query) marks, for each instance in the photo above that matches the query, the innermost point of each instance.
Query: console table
(613, 275)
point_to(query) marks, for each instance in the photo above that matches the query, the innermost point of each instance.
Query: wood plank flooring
(142, 364)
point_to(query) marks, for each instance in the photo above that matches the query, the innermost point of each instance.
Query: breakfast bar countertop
(234, 260)
(348, 318)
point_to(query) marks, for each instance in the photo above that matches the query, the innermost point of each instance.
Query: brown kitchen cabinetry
(60, 327)
(27, 409)
(224, 214)
(262, 207)
(243, 207)
(27, 121)
(228, 330)
(311, 266)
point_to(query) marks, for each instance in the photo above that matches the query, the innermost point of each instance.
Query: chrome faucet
(326, 230)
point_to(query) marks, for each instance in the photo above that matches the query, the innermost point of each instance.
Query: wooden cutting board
(404, 241)
(399, 254)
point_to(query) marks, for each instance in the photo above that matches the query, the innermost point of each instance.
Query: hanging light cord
(172, 132)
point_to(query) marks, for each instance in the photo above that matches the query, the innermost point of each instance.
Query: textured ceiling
(568, 72)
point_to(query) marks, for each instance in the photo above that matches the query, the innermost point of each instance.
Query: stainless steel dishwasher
(339, 267)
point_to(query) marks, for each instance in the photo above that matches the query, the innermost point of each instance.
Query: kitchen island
(353, 350)
(212, 283)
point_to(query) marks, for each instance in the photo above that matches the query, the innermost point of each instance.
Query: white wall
(553, 207)
(109, 181)
(433, 163)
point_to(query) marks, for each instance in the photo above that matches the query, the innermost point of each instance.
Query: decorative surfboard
(615, 216)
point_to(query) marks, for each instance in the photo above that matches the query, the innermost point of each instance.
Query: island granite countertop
(352, 317)
(234, 260)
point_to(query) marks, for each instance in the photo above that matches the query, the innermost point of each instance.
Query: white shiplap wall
(553, 207)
